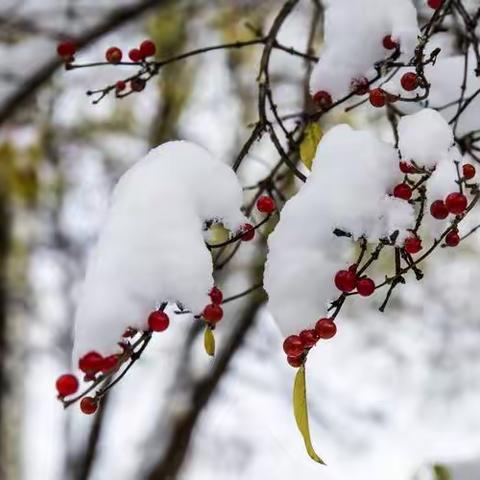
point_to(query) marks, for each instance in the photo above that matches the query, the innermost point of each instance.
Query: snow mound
(348, 189)
(151, 248)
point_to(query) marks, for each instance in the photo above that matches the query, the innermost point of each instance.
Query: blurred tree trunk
(7, 463)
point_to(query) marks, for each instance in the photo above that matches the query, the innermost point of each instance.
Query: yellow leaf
(301, 412)
(218, 234)
(209, 341)
(308, 147)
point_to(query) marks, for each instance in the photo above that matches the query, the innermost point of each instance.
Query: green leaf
(308, 147)
(209, 341)
(441, 473)
(301, 412)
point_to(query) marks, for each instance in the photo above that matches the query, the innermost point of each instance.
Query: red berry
(389, 43)
(325, 328)
(120, 85)
(409, 81)
(412, 245)
(135, 55)
(66, 49)
(137, 84)
(113, 55)
(147, 48)
(468, 171)
(377, 97)
(90, 363)
(109, 363)
(456, 203)
(438, 210)
(158, 321)
(452, 239)
(406, 167)
(403, 191)
(322, 99)
(360, 85)
(212, 313)
(248, 232)
(309, 338)
(266, 204)
(66, 384)
(216, 296)
(435, 4)
(345, 280)
(88, 405)
(365, 287)
(293, 346)
(295, 362)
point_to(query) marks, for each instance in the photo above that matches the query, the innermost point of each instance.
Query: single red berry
(90, 363)
(326, 328)
(323, 99)
(137, 84)
(212, 313)
(293, 346)
(406, 167)
(403, 191)
(309, 338)
(435, 4)
(389, 43)
(266, 204)
(110, 362)
(295, 362)
(360, 86)
(248, 232)
(468, 171)
(409, 81)
(147, 48)
(120, 85)
(452, 239)
(88, 405)
(66, 384)
(135, 55)
(216, 296)
(439, 210)
(113, 55)
(412, 245)
(345, 280)
(377, 97)
(158, 321)
(66, 49)
(456, 203)
(365, 287)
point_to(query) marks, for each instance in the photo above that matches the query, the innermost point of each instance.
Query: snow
(352, 175)
(151, 248)
(425, 137)
(353, 37)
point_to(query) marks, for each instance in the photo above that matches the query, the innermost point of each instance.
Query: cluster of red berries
(347, 281)
(213, 312)
(146, 49)
(360, 86)
(297, 346)
(93, 363)
(455, 203)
